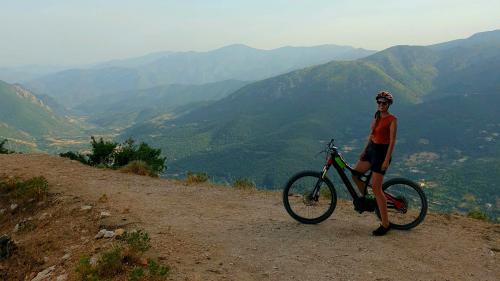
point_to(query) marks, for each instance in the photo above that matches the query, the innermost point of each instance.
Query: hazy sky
(68, 32)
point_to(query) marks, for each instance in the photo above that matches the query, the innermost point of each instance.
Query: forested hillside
(272, 128)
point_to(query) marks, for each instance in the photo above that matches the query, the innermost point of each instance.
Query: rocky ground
(206, 232)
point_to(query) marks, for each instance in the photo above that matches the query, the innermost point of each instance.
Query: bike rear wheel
(308, 198)
(406, 203)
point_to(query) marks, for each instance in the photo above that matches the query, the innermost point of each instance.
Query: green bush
(126, 256)
(85, 270)
(114, 155)
(138, 241)
(75, 156)
(3, 150)
(35, 188)
(244, 183)
(156, 271)
(478, 215)
(194, 178)
(128, 152)
(110, 263)
(102, 152)
(136, 274)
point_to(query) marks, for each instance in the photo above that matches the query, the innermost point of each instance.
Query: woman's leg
(381, 200)
(362, 167)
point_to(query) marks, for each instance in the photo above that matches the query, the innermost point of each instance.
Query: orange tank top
(382, 133)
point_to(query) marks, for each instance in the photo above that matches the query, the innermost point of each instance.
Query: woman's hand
(385, 165)
(362, 155)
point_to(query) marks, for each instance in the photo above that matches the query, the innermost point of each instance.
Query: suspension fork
(315, 193)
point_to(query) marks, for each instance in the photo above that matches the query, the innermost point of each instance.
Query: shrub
(75, 156)
(478, 215)
(195, 178)
(35, 188)
(151, 156)
(2, 149)
(85, 270)
(244, 183)
(136, 274)
(156, 271)
(102, 152)
(112, 154)
(126, 256)
(110, 262)
(139, 167)
(138, 241)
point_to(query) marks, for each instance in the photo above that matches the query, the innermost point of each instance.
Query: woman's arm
(393, 131)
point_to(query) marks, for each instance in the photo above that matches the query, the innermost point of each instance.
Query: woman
(376, 155)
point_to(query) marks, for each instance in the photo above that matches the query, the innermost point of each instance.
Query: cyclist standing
(376, 155)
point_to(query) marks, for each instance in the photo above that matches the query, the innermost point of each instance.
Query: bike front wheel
(406, 203)
(308, 198)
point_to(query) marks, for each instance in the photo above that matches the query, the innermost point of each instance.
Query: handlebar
(331, 146)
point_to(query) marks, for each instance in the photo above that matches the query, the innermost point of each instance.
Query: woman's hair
(377, 119)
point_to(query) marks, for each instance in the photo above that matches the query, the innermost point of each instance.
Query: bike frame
(337, 161)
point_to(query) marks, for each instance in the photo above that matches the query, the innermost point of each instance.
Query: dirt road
(217, 233)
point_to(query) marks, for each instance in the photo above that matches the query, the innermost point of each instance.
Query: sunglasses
(382, 102)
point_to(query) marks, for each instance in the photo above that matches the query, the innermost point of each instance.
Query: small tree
(152, 157)
(112, 154)
(75, 156)
(2, 149)
(124, 153)
(102, 152)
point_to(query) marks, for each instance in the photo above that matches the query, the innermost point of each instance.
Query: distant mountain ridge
(235, 62)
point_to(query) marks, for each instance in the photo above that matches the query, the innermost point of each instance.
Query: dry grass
(138, 167)
(196, 178)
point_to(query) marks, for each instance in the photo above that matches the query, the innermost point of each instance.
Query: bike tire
(416, 204)
(294, 185)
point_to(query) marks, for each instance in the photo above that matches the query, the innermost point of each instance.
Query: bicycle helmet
(385, 95)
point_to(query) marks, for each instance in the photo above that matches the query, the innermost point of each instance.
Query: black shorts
(375, 154)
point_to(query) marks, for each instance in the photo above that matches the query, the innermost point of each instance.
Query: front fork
(315, 194)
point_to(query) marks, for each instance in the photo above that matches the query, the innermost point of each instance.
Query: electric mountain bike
(310, 197)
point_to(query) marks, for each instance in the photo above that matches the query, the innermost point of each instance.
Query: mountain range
(235, 62)
(446, 100)
(238, 112)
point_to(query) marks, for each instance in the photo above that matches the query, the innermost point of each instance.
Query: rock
(25, 225)
(7, 246)
(103, 233)
(105, 214)
(2, 211)
(119, 232)
(43, 216)
(93, 260)
(86, 208)
(63, 277)
(13, 207)
(65, 257)
(45, 274)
